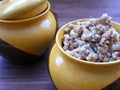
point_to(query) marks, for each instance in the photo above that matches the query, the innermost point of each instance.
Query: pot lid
(21, 9)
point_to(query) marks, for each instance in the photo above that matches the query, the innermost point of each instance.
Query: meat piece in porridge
(93, 40)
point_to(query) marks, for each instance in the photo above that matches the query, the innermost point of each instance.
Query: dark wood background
(36, 76)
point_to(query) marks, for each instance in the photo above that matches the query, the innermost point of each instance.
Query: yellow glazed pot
(69, 73)
(27, 37)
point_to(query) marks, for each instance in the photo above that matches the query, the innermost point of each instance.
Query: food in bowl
(94, 39)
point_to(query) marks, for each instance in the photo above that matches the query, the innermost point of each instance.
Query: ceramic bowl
(69, 73)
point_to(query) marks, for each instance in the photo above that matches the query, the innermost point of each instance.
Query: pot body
(30, 36)
(69, 73)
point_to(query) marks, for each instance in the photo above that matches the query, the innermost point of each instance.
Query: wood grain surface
(36, 76)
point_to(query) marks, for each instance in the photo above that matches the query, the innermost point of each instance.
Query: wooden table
(36, 76)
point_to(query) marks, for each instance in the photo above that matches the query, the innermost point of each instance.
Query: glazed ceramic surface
(31, 35)
(69, 73)
(21, 9)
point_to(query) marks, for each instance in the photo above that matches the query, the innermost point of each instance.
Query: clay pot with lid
(25, 34)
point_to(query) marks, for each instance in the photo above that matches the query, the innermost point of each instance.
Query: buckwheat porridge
(93, 40)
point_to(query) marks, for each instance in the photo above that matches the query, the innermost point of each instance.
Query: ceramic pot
(28, 37)
(69, 73)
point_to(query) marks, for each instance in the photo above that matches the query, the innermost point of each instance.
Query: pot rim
(31, 18)
(73, 58)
